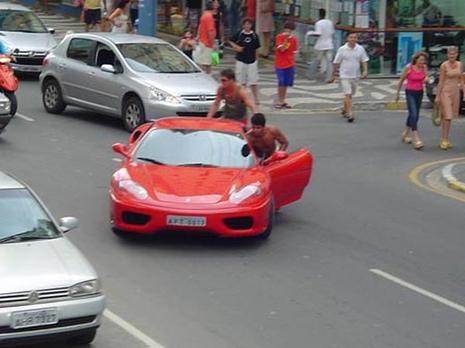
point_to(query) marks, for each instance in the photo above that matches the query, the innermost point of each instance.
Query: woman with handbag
(448, 95)
(415, 73)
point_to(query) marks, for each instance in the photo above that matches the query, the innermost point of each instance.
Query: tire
(133, 113)
(83, 339)
(269, 228)
(13, 101)
(52, 98)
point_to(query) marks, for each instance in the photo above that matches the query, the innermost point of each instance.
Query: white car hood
(43, 264)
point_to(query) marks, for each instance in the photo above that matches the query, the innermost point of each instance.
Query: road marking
(131, 329)
(26, 118)
(419, 290)
(413, 176)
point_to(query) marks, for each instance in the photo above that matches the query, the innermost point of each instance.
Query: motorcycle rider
(5, 50)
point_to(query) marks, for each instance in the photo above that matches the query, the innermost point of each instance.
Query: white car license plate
(201, 108)
(192, 221)
(40, 317)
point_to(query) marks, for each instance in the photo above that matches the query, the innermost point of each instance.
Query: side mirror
(276, 156)
(51, 30)
(108, 68)
(68, 223)
(139, 131)
(121, 149)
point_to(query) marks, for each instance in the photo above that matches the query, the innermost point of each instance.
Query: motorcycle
(8, 86)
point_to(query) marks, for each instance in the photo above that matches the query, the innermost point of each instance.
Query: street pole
(147, 17)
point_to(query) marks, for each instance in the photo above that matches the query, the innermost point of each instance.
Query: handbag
(215, 58)
(436, 116)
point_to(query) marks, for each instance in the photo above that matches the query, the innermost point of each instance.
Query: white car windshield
(22, 216)
(22, 21)
(158, 58)
(195, 148)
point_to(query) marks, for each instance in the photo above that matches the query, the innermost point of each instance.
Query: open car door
(289, 175)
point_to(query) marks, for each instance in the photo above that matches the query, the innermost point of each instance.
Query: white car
(47, 288)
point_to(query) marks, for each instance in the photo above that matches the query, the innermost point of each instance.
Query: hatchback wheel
(133, 113)
(52, 97)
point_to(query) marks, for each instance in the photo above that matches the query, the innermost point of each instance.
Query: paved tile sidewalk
(306, 95)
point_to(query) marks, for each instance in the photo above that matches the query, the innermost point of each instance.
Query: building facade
(390, 30)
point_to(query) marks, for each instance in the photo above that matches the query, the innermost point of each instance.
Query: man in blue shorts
(286, 48)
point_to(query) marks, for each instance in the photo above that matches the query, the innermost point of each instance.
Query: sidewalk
(454, 175)
(306, 95)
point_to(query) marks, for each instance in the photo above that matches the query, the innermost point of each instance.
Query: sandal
(406, 139)
(350, 118)
(286, 106)
(418, 145)
(344, 113)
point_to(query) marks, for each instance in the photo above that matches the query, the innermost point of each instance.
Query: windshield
(22, 21)
(20, 213)
(159, 58)
(187, 147)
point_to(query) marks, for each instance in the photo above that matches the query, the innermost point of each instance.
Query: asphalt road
(365, 259)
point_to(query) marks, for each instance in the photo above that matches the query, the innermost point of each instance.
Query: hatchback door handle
(91, 73)
(62, 66)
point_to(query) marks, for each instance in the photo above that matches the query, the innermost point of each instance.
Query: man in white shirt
(324, 46)
(348, 59)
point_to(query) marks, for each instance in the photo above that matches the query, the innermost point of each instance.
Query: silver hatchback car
(135, 77)
(47, 288)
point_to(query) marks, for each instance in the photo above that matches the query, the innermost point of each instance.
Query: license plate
(40, 317)
(191, 221)
(201, 108)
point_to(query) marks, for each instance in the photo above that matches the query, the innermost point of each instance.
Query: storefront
(390, 30)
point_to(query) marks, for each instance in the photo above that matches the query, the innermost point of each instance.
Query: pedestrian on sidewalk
(187, 43)
(416, 74)
(219, 17)
(92, 14)
(236, 99)
(286, 48)
(265, 22)
(120, 17)
(206, 36)
(324, 29)
(348, 59)
(192, 16)
(448, 94)
(246, 44)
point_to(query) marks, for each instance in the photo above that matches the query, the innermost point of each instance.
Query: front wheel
(269, 228)
(52, 97)
(133, 113)
(13, 102)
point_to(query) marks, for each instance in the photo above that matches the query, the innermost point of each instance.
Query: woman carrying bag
(415, 73)
(448, 96)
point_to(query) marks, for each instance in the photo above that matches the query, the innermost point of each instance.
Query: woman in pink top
(415, 73)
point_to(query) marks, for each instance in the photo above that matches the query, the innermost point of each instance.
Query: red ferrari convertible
(193, 174)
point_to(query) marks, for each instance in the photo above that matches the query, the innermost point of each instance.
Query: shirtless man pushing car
(263, 138)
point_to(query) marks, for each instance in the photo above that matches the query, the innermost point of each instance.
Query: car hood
(192, 185)
(182, 84)
(43, 264)
(28, 41)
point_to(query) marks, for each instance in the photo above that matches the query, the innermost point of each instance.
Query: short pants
(285, 77)
(92, 16)
(349, 86)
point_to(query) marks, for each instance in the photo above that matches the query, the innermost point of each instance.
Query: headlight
(159, 95)
(248, 191)
(5, 106)
(90, 287)
(133, 188)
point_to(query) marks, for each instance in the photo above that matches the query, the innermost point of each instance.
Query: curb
(452, 182)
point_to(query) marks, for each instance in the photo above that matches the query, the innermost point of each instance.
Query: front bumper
(27, 68)
(240, 221)
(74, 315)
